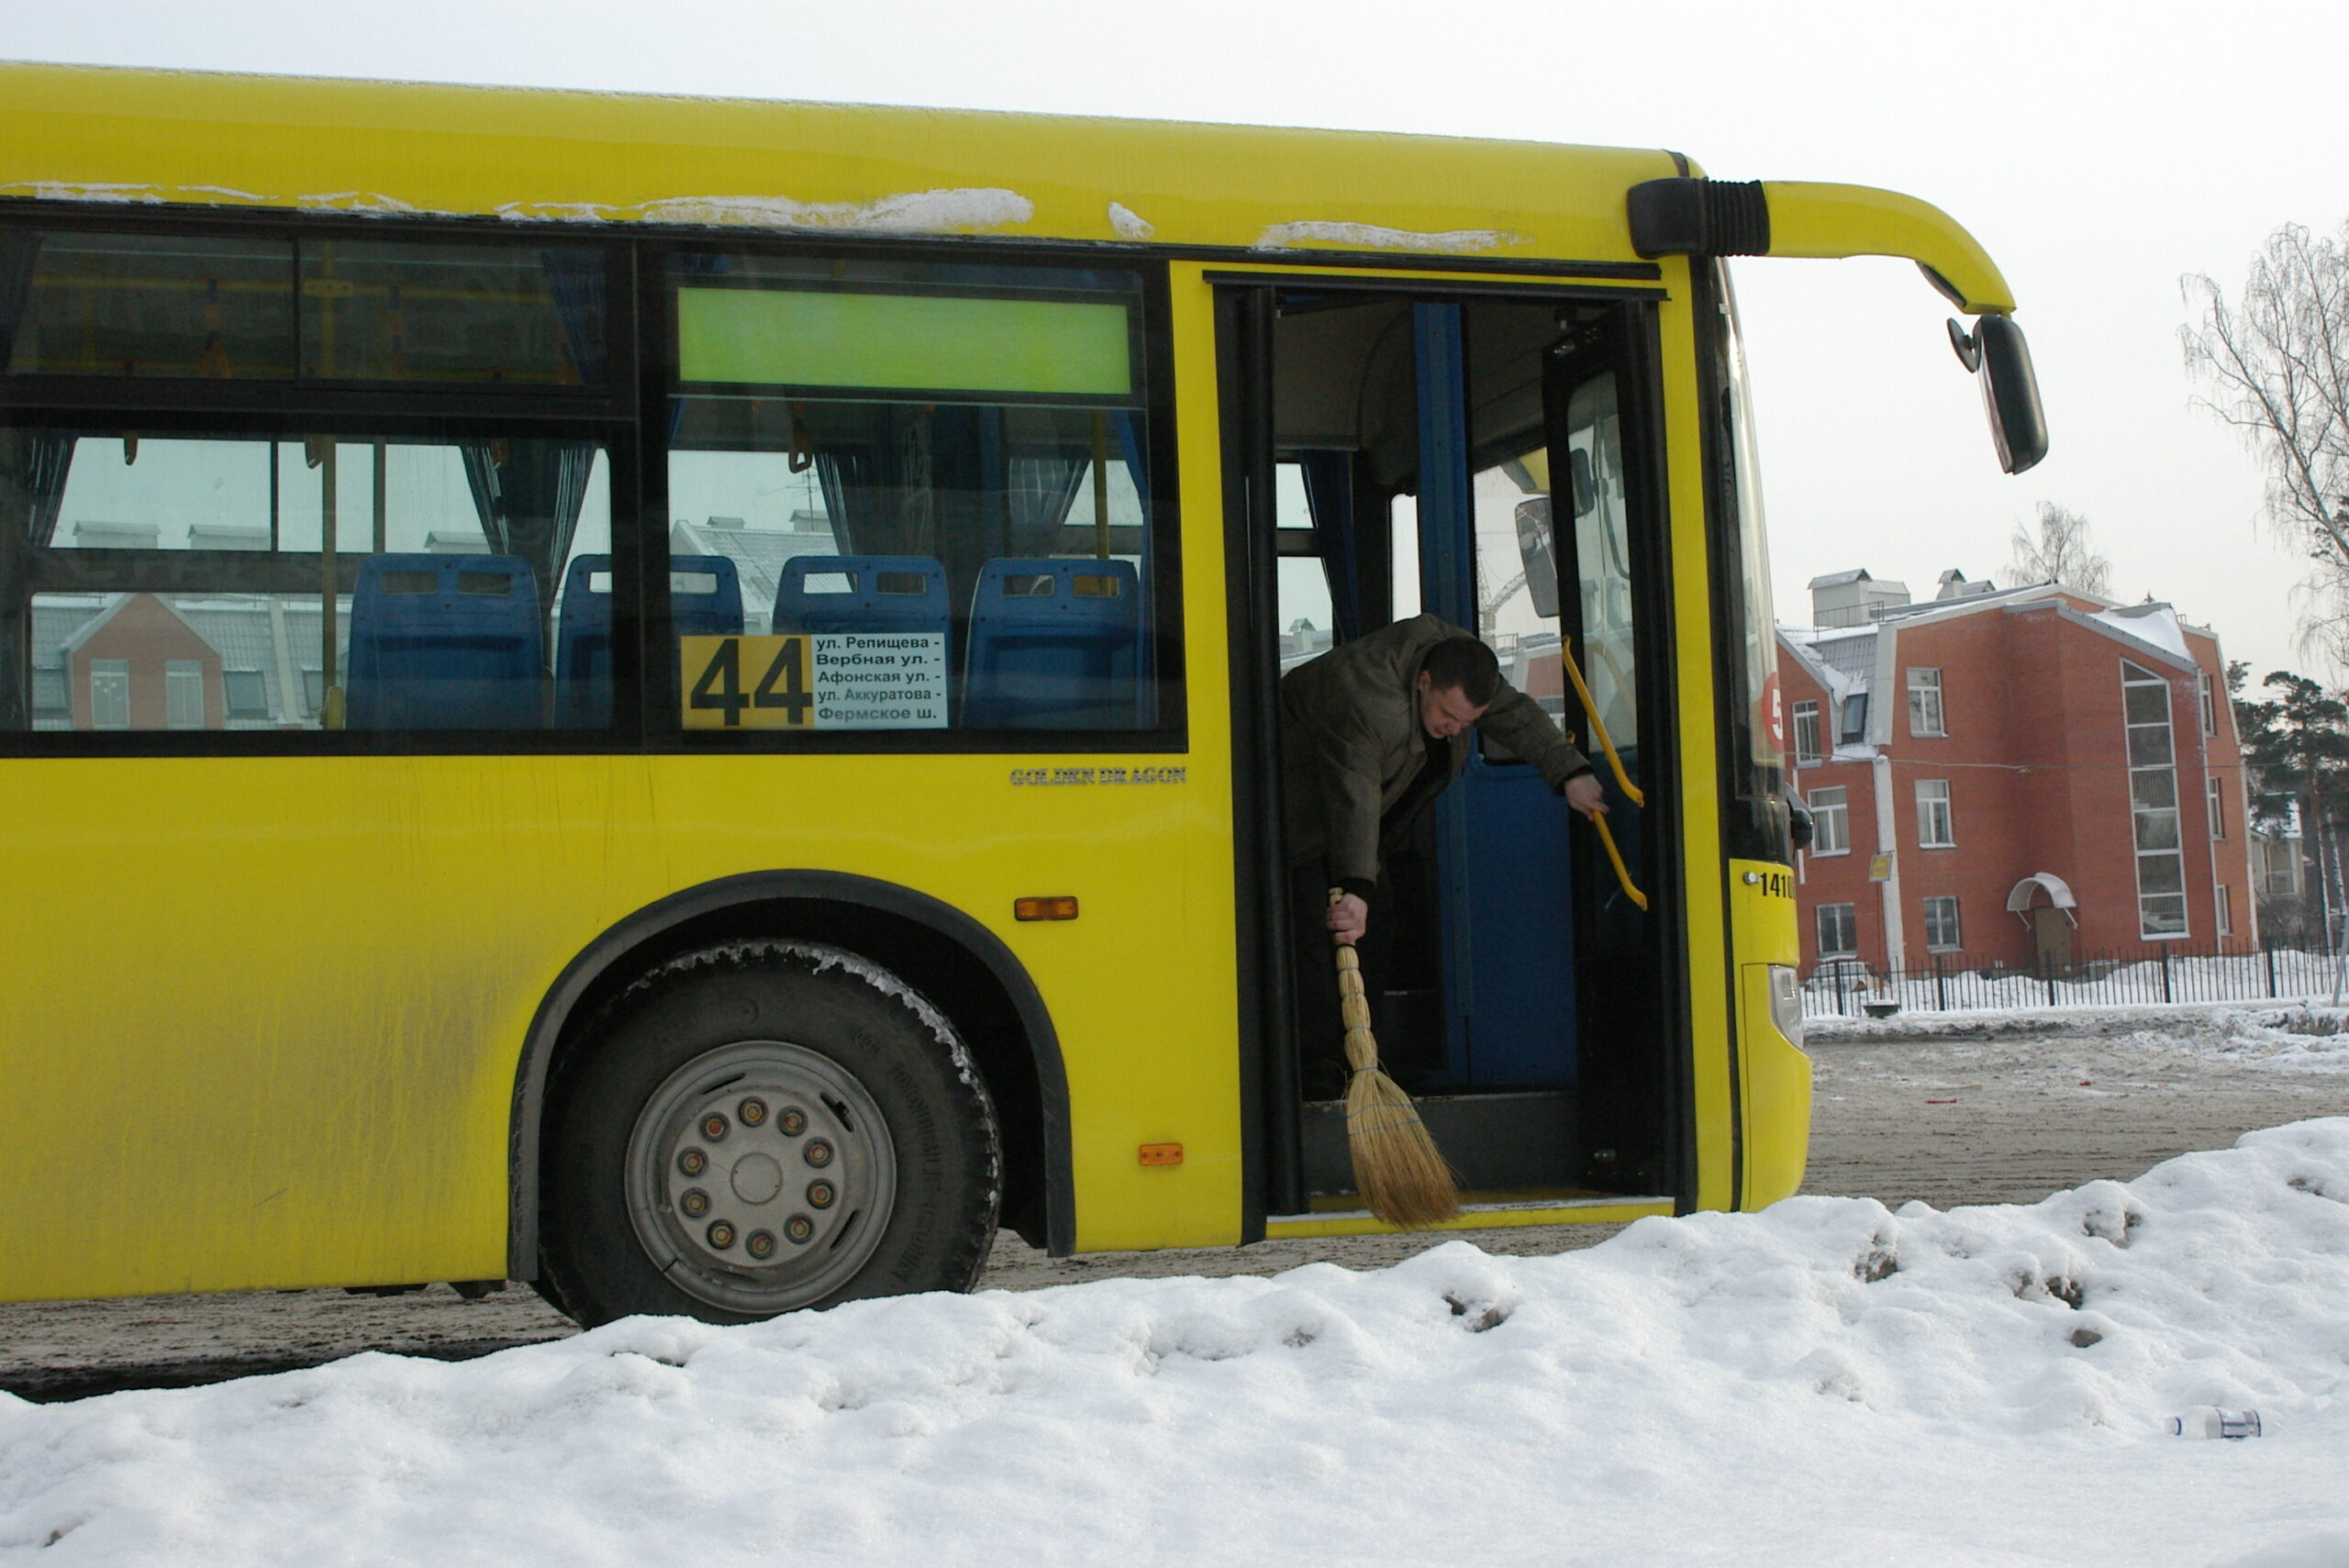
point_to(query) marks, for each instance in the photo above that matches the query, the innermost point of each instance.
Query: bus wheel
(762, 1127)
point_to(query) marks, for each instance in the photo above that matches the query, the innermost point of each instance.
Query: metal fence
(1952, 984)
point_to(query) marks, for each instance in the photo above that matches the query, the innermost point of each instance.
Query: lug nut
(693, 1163)
(799, 1227)
(752, 1112)
(819, 1152)
(695, 1202)
(820, 1195)
(720, 1234)
(794, 1122)
(761, 1244)
(713, 1124)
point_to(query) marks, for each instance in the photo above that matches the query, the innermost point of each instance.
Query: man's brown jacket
(1351, 743)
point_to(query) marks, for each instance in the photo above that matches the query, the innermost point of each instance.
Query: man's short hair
(1464, 665)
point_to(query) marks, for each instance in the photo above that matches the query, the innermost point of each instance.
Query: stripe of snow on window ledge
(1370, 236)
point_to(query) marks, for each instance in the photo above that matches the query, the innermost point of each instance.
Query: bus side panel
(263, 1016)
(1777, 1072)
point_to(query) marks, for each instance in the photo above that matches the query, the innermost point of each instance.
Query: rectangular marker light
(1062, 907)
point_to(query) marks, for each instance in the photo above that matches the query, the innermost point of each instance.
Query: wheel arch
(962, 967)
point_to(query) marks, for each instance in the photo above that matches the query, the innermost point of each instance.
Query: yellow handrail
(1598, 725)
(1615, 761)
(1622, 874)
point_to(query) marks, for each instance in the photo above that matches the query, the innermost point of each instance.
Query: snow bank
(1825, 1383)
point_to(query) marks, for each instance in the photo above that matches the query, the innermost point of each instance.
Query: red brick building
(2012, 777)
(139, 665)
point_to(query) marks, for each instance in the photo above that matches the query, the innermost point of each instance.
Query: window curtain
(528, 494)
(1328, 497)
(18, 254)
(574, 280)
(875, 463)
(32, 483)
(33, 465)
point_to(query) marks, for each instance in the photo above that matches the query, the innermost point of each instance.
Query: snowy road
(1947, 1118)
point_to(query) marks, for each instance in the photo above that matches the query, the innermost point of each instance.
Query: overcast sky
(2100, 152)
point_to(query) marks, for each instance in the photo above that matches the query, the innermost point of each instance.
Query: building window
(182, 693)
(1925, 703)
(1830, 822)
(2152, 797)
(2226, 912)
(2218, 794)
(1935, 831)
(109, 693)
(1941, 925)
(1856, 720)
(246, 692)
(2209, 709)
(1807, 747)
(1838, 930)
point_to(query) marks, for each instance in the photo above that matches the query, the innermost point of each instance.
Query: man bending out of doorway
(1371, 733)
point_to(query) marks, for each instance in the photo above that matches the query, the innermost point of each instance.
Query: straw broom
(1398, 1169)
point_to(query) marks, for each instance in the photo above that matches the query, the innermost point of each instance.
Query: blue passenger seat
(861, 594)
(704, 600)
(444, 642)
(1055, 645)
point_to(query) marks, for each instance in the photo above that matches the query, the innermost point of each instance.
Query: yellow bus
(675, 699)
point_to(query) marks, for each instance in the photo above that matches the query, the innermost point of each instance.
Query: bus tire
(761, 1126)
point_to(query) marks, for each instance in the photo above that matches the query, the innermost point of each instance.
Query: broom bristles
(1399, 1171)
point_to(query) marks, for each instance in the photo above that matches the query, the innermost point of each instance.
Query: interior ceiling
(1342, 379)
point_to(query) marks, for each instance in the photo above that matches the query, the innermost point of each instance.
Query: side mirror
(1537, 552)
(1995, 351)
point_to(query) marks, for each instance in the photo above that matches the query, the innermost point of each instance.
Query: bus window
(937, 476)
(154, 306)
(231, 581)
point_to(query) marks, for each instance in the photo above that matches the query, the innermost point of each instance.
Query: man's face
(1445, 711)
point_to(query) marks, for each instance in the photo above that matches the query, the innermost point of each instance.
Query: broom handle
(1353, 1005)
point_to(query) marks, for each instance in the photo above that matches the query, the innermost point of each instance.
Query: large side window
(215, 580)
(313, 479)
(914, 498)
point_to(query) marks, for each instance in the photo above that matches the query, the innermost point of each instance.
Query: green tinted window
(903, 341)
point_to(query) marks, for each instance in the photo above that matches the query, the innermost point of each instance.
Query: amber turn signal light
(1062, 907)
(1162, 1153)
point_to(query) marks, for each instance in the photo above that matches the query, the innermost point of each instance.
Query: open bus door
(1393, 452)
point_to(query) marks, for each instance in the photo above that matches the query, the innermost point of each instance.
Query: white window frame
(2209, 709)
(1837, 811)
(179, 674)
(1935, 813)
(1927, 719)
(109, 693)
(2215, 790)
(1952, 939)
(2225, 902)
(1805, 755)
(1848, 919)
(2144, 817)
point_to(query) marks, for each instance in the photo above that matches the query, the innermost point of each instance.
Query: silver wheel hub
(760, 1177)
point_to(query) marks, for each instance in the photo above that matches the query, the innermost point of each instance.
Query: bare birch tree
(2275, 364)
(2056, 549)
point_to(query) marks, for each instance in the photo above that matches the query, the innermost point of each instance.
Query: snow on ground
(1825, 1383)
(2292, 1037)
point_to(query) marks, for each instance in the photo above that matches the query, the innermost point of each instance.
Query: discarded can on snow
(2210, 1422)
